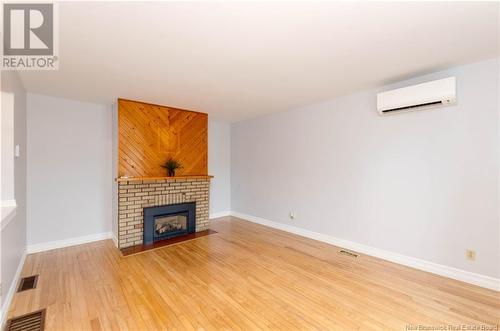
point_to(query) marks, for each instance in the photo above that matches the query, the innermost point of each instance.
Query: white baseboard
(435, 268)
(10, 293)
(219, 214)
(36, 248)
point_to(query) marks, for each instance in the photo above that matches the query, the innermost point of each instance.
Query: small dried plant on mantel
(172, 165)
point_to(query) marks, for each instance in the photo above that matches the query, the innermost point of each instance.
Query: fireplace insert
(168, 221)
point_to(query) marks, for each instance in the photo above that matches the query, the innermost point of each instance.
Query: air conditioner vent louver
(423, 96)
(415, 106)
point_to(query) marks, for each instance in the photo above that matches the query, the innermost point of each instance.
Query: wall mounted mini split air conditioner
(437, 93)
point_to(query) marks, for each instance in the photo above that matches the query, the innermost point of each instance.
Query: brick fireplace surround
(134, 195)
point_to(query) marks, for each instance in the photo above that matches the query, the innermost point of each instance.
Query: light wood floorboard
(245, 277)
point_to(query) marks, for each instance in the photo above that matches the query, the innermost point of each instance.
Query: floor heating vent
(351, 254)
(30, 322)
(28, 283)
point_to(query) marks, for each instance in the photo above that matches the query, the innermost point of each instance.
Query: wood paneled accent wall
(149, 134)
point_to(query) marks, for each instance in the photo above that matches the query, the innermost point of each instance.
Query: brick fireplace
(145, 138)
(134, 195)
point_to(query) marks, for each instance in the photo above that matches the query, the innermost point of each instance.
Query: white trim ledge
(8, 214)
(9, 203)
(47, 246)
(435, 268)
(8, 211)
(12, 290)
(219, 214)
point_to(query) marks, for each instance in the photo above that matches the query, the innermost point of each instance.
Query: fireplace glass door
(166, 226)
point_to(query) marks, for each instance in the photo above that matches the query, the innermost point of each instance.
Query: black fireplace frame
(150, 213)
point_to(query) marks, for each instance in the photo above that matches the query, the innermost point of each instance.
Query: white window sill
(8, 212)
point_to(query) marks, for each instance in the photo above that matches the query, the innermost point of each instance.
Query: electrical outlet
(470, 255)
(291, 215)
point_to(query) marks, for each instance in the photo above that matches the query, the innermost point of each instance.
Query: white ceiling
(240, 60)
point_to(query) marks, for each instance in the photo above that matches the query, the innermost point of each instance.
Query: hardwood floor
(245, 277)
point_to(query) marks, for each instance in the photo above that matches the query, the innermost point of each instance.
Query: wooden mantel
(131, 179)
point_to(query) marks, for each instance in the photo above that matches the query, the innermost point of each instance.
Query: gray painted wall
(69, 169)
(421, 184)
(13, 236)
(114, 172)
(7, 146)
(219, 166)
